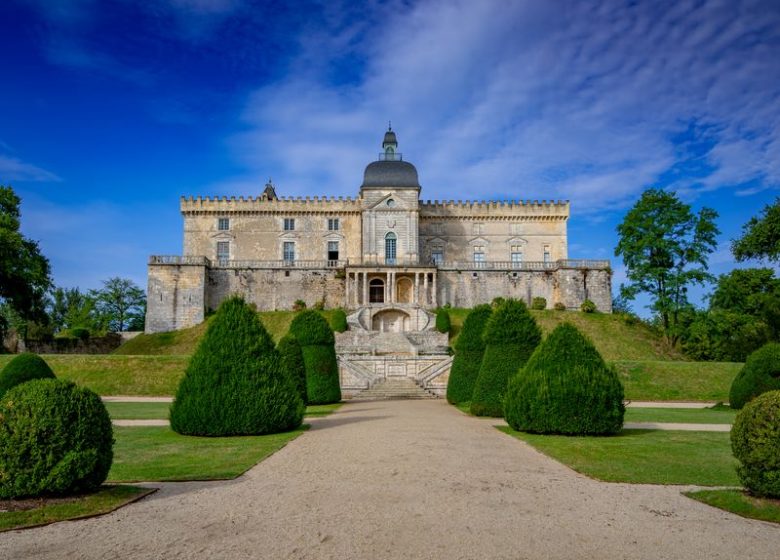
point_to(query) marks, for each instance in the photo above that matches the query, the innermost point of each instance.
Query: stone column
(346, 291)
(416, 297)
(425, 290)
(434, 294)
(365, 288)
(392, 287)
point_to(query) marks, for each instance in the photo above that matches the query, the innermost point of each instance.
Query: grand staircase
(394, 388)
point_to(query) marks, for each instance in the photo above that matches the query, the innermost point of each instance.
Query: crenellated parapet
(495, 209)
(261, 204)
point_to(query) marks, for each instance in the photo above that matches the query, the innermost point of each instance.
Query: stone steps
(395, 388)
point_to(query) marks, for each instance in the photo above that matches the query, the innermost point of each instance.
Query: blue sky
(112, 109)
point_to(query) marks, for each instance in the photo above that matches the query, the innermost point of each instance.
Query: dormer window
(223, 224)
(289, 224)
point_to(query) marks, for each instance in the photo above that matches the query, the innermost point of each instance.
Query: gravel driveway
(405, 479)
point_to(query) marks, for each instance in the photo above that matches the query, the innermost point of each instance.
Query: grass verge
(20, 514)
(719, 415)
(677, 381)
(145, 411)
(740, 503)
(643, 456)
(160, 454)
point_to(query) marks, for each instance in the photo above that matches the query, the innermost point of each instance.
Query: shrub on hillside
(299, 305)
(55, 439)
(469, 350)
(319, 357)
(761, 373)
(291, 360)
(588, 306)
(539, 303)
(559, 306)
(339, 320)
(234, 383)
(22, 368)
(755, 442)
(565, 388)
(510, 335)
(443, 324)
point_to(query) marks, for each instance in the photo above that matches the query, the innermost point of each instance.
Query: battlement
(516, 209)
(226, 204)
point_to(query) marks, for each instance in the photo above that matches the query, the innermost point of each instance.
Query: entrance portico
(391, 285)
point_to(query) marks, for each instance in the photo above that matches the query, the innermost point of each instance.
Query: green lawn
(160, 454)
(737, 501)
(46, 511)
(719, 415)
(143, 411)
(677, 381)
(644, 456)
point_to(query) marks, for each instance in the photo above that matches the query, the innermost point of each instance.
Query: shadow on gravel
(334, 421)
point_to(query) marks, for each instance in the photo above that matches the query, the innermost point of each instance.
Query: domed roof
(389, 138)
(393, 174)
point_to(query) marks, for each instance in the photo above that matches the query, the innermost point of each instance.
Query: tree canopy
(760, 236)
(665, 247)
(25, 275)
(121, 303)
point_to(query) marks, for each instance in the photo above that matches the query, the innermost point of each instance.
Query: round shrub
(755, 442)
(588, 306)
(510, 335)
(559, 306)
(469, 350)
(234, 383)
(443, 324)
(291, 361)
(565, 388)
(761, 373)
(339, 320)
(55, 439)
(319, 357)
(539, 303)
(24, 367)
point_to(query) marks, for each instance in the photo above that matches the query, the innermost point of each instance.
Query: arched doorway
(390, 248)
(403, 290)
(391, 320)
(376, 290)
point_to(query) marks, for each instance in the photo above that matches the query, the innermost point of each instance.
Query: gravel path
(405, 479)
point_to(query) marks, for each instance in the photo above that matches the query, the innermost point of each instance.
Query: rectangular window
(479, 256)
(333, 224)
(288, 251)
(478, 229)
(516, 255)
(223, 251)
(289, 224)
(437, 228)
(547, 257)
(223, 224)
(437, 257)
(515, 229)
(333, 252)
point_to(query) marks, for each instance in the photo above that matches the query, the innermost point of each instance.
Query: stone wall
(175, 296)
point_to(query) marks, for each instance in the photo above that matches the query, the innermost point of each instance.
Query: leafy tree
(121, 302)
(760, 236)
(70, 308)
(665, 248)
(745, 290)
(24, 271)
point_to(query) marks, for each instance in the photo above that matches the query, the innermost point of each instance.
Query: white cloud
(528, 99)
(13, 169)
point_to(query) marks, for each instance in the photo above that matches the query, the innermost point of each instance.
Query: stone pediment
(223, 236)
(479, 241)
(436, 240)
(390, 203)
(516, 241)
(288, 235)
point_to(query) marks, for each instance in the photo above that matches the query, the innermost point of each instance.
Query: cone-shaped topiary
(761, 373)
(755, 442)
(24, 367)
(55, 438)
(565, 388)
(319, 356)
(234, 383)
(443, 324)
(291, 360)
(511, 335)
(469, 350)
(339, 320)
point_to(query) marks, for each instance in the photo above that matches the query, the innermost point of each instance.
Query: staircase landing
(394, 388)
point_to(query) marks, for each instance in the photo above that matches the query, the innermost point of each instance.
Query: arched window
(390, 244)
(376, 291)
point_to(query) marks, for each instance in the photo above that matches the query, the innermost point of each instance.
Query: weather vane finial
(389, 126)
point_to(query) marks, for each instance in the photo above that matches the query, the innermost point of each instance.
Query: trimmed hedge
(24, 367)
(511, 335)
(538, 303)
(588, 306)
(55, 439)
(755, 442)
(761, 373)
(469, 351)
(234, 383)
(565, 388)
(339, 320)
(443, 324)
(291, 358)
(319, 357)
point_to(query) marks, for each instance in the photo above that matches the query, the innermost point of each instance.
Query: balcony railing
(524, 265)
(284, 264)
(397, 156)
(179, 259)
